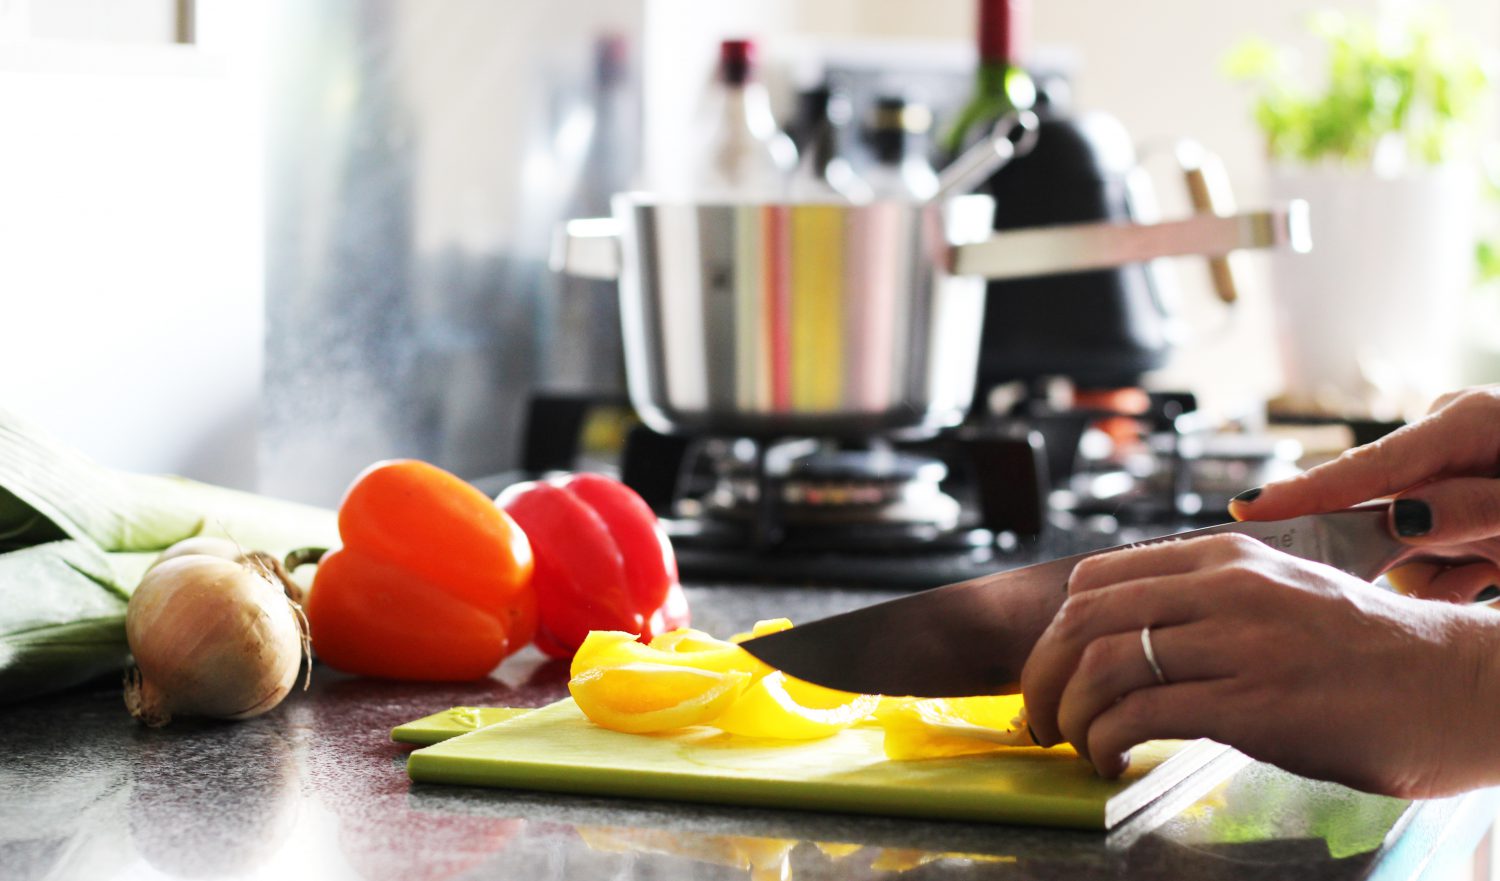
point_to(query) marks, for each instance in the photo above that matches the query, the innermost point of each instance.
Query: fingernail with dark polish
(1488, 595)
(1247, 496)
(1412, 517)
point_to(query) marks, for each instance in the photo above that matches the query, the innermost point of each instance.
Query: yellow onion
(229, 549)
(211, 637)
(212, 545)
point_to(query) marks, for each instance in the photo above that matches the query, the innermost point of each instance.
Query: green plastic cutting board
(451, 723)
(557, 749)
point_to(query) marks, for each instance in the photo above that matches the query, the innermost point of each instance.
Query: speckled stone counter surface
(316, 789)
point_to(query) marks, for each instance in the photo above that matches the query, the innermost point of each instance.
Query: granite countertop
(317, 789)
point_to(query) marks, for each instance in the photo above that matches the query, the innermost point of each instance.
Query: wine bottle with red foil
(1001, 83)
(745, 155)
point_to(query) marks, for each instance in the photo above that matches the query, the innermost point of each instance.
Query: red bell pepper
(603, 562)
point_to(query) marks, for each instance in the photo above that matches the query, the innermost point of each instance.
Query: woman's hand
(1291, 662)
(1444, 471)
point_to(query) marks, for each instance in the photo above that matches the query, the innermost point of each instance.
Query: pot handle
(1014, 135)
(1055, 250)
(588, 248)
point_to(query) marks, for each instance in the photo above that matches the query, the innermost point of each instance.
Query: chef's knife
(974, 637)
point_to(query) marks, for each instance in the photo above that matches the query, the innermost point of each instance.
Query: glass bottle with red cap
(745, 156)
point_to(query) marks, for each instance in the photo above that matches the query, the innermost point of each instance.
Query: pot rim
(646, 198)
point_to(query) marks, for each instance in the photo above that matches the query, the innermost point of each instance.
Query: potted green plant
(1383, 148)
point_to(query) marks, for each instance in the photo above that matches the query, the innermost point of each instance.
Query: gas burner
(1224, 464)
(835, 488)
(868, 538)
(1172, 476)
(1036, 481)
(717, 551)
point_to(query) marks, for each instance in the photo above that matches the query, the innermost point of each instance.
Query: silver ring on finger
(1161, 678)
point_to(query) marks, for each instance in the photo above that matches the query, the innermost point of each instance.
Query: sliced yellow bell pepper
(686, 639)
(780, 706)
(762, 628)
(685, 648)
(774, 705)
(941, 727)
(645, 698)
(686, 677)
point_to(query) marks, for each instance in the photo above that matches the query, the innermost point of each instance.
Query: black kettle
(1101, 329)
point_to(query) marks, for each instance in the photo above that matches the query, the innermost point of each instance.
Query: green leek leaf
(48, 490)
(62, 618)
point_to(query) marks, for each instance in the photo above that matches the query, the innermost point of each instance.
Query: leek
(62, 618)
(50, 491)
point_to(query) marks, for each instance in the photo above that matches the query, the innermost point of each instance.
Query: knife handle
(1355, 540)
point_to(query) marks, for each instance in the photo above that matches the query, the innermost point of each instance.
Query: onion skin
(211, 637)
(211, 545)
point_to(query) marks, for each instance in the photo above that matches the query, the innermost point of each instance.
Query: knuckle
(1484, 399)
(1443, 401)
(1072, 616)
(1254, 586)
(1372, 456)
(1235, 545)
(1085, 573)
(1475, 408)
(1098, 658)
(1231, 550)
(1242, 571)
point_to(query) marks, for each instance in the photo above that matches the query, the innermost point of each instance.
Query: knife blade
(974, 637)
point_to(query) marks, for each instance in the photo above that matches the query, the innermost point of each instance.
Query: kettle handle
(1211, 193)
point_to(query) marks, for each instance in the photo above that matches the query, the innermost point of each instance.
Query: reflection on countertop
(317, 789)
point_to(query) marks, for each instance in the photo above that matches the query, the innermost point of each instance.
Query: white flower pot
(1370, 323)
(1481, 361)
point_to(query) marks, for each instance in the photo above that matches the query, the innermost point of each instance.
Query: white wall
(130, 271)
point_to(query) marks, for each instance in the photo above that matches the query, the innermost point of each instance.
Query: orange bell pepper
(433, 581)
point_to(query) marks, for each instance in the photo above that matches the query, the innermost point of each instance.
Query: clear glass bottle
(898, 137)
(746, 156)
(825, 173)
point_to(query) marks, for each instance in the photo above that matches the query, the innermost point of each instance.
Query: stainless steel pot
(776, 319)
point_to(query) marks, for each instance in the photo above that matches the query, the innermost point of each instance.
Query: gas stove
(1038, 481)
